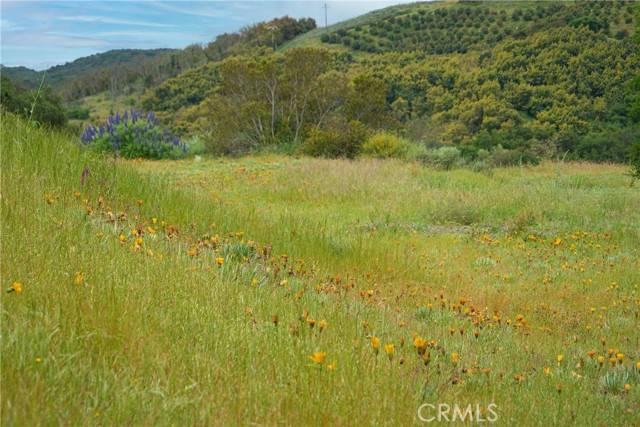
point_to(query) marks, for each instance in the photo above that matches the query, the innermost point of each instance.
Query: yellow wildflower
(15, 287)
(420, 344)
(455, 358)
(390, 350)
(78, 279)
(375, 344)
(318, 357)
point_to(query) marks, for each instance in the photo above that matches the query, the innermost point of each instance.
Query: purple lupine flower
(88, 134)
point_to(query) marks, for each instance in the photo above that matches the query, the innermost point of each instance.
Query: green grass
(160, 334)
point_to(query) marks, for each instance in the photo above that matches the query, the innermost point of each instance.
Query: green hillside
(62, 76)
(24, 76)
(539, 79)
(443, 27)
(528, 80)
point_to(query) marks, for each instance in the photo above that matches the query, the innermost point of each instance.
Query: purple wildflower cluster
(134, 132)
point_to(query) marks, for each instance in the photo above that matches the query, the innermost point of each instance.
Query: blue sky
(39, 34)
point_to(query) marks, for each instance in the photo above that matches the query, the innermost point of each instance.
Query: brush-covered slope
(529, 76)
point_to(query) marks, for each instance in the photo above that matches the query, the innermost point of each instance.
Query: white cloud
(193, 9)
(41, 41)
(105, 20)
(6, 25)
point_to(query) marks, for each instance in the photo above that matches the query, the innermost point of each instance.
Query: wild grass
(207, 318)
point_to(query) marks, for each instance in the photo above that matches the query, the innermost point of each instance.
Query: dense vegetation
(40, 105)
(516, 82)
(127, 70)
(460, 82)
(476, 25)
(114, 71)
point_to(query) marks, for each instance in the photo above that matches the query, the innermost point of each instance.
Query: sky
(40, 34)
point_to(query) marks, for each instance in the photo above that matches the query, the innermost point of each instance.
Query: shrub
(339, 139)
(42, 106)
(134, 135)
(78, 113)
(196, 146)
(505, 157)
(417, 152)
(607, 145)
(384, 145)
(443, 157)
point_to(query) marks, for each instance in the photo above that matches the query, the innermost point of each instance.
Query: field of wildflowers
(275, 290)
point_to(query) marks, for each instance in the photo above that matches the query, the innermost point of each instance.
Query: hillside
(24, 76)
(541, 79)
(63, 75)
(537, 79)
(441, 28)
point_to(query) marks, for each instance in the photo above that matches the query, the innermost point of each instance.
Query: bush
(339, 139)
(385, 145)
(196, 146)
(43, 106)
(417, 152)
(443, 158)
(607, 146)
(78, 113)
(134, 135)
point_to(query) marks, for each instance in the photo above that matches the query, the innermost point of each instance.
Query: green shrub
(416, 152)
(385, 145)
(607, 146)
(339, 139)
(42, 106)
(78, 113)
(443, 158)
(196, 146)
(135, 135)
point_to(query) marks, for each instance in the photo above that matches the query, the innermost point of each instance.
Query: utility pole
(325, 14)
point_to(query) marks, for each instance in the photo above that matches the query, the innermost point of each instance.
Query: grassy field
(270, 290)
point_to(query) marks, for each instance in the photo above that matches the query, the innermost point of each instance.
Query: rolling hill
(473, 75)
(61, 75)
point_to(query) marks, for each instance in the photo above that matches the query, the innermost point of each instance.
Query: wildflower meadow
(272, 289)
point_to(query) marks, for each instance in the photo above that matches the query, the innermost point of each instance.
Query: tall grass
(158, 333)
